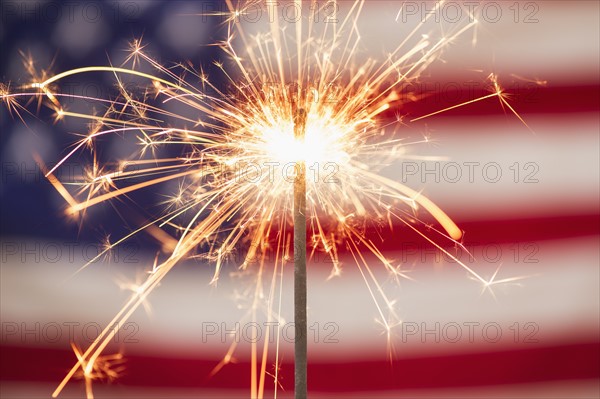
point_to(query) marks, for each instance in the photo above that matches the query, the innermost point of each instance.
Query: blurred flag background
(527, 201)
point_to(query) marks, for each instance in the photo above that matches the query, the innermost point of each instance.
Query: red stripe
(567, 362)
(484, 232)
(526, 98)
(524, 232)
(519, 230)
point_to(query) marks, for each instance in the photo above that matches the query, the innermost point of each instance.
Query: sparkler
(300, 289)
(234, 167)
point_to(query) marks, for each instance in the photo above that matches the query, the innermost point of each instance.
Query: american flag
(527, 197)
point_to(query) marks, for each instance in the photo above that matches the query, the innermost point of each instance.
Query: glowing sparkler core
(324, 141)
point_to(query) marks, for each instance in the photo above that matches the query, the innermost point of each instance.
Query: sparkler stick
(300, 290)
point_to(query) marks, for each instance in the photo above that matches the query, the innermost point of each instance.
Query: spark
(137, 287)
(488, 285)
(107, 368)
